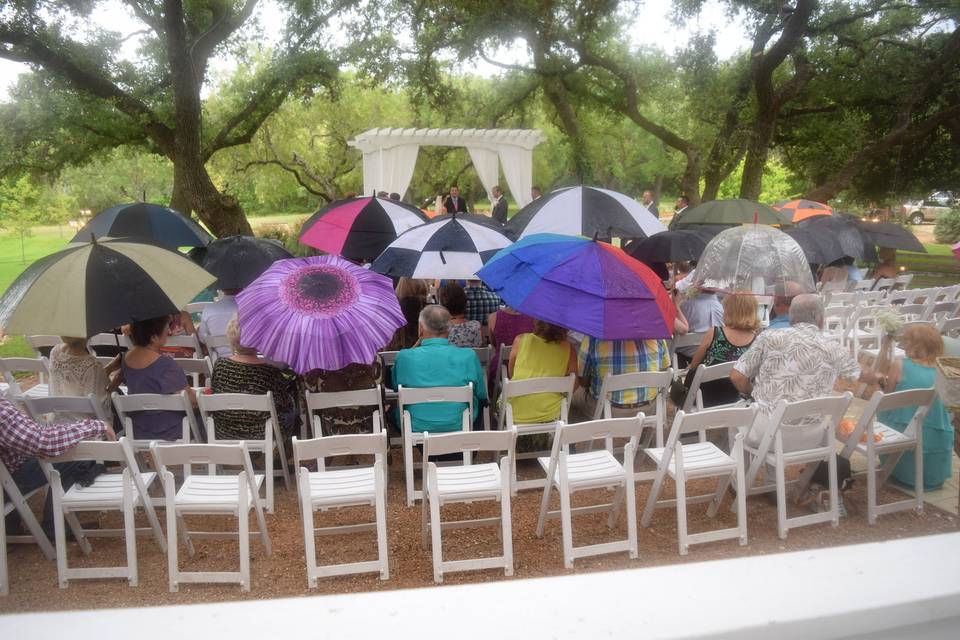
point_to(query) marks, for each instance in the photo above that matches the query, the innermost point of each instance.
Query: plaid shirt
(596, 358)
(22, 438)
(481, 302)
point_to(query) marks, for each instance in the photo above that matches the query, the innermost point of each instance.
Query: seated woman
(412, 294)
(922, 345)
(541, 354)
(463, 332)
(74, 372)
(353, 377)
(725, 344)
(181, 324)
(146, 370)
(246, 372)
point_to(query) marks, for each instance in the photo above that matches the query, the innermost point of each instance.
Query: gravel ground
(34, 582)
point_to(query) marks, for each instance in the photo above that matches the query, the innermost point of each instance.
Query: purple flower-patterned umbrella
(322, 312)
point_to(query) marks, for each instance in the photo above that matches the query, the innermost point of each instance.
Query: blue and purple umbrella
(588, 286)
(321, 312)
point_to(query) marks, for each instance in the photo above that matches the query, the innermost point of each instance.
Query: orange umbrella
(797, 210)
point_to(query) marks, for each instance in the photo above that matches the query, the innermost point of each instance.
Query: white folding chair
(903, 281)
(770, 451)
(407, 396)
(9, 367)
(950, 327)
(342, 487)
(501, 373)
(51, 408)
(317, 402)
(467, 484)
(42, 342)
(659, 380)
(871, 298)
(196, 307)
(703, 375)
(210, 495)
(840, 298)
(210, 405)
(595, 469)
(517, 388)
(891, 446)
(836, 321)
(863, 285)
(911, 312)
(179, 402)
(195, 368)
(185, 342)
(884, 284)
(939, 311)
(683, 462)
(123, 492)
(106, 340)
(18, 502)
(684, 341)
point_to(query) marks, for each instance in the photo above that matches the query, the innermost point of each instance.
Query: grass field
(938, 267)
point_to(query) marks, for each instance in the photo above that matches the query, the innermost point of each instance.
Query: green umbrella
(90, 288)
(730, 212)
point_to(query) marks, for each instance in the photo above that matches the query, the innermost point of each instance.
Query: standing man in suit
(650, 204)
(499, 209)
(454, 203)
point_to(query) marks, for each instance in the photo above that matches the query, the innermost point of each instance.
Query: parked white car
(931, 207)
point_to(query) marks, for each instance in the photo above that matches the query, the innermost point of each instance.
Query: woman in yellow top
(545, 353)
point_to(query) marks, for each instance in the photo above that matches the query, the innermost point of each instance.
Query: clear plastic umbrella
(753, 259)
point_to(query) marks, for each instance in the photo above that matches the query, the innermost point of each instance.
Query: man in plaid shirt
(22, 440)
(481, 302)
(596, 358)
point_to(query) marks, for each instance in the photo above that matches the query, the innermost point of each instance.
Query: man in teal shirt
(437, 363)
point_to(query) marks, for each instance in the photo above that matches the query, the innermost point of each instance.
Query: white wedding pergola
(390, 155)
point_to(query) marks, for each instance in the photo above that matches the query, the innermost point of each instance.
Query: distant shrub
(947, 230)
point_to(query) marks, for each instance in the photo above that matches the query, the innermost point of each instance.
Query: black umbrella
(148, 222)
(239, 260)
(854, 243)
(676, 245)
(891, 236)
(819, 248)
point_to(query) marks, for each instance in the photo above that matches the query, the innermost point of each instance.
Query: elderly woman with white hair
(246, 372)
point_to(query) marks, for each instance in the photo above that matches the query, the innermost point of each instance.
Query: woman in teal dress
(922, 345)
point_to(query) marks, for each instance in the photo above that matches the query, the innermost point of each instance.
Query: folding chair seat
(407, 396)
(318, 401)
(272, 439)
(9, 367)
(770, 451)
(196, 368)
(683, 462)
(210, 495)
(518, 388)
(124, 492)
(891, 446)
(342, 487)
(595, 469)
(467, 484)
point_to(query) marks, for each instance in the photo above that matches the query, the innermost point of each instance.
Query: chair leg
(652, 497)
(506, 524)
(435, 531)
(544, 507)
(834, 490)
(382, 549)
(78, 533)
(243, 526)
(871, 486)
(424, 521)
(682, 513)
(173, 570)
(408, 469)
(566, 521)
(60, 535)
(130, 529)
(781, 502)
(309, 540)
(631, 498)
(185, 534)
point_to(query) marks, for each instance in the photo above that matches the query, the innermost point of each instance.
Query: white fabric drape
(389, 169)
(518, 170)
(487, 165)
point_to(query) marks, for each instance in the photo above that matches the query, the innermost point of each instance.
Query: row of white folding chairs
(121, 341)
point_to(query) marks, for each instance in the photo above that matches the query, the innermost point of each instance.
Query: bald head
(784, 296)
(434, 321)
(807, 308)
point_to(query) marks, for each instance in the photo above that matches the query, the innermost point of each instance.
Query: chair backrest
(701, 421)
(468, 441)
(42, 342)
(684, 341)
(216, 342)
(196, 367)
(348, 445)
(196, 307)
(317, 401)
(903, 281)
(593, 430)
(883, 284)
(484, 355)
(879, 402)
(840, 299)
(833, 286)
(659, 380)
(871, 298)
(234, 454)
(9, 367)
(102, 450)
(556, 384)
(388, 357)
(180, 402)
(184, 342)
(829, 408)
(38, 408)
(863, 285)
(214, 403)
(426, 395)
(950, 326)
(703, 375)
(104, 340)
(911, 311)
(940, 310)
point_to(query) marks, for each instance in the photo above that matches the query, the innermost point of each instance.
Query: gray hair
(807, 308)
(435, 319)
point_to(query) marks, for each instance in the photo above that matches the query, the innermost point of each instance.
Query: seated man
(781, 305)
(22, 440)
(793, 364)
(437, 363)
(481, 302)
(215, 317)
(702, 312)
(596, 358)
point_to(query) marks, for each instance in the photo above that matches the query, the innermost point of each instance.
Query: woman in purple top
(146, 370)
(505, 325)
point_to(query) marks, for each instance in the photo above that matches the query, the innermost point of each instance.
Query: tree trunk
(657, 189)
(557, 94)
(757, 153)
(180, 198)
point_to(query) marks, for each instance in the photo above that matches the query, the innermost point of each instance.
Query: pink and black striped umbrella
(321, 312)
(359, 228)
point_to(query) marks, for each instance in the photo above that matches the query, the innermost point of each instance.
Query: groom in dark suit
(499, 209)
(453, 202)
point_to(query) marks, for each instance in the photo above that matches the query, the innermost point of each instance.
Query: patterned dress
(466, 334)
(353, 377)
(720, 350)
(230, 376)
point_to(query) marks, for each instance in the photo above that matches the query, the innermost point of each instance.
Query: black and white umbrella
(585, 211)
(97, 286)
(146, 222)
(451, 247)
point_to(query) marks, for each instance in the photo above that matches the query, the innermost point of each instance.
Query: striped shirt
(22, 437)
(596, 358)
